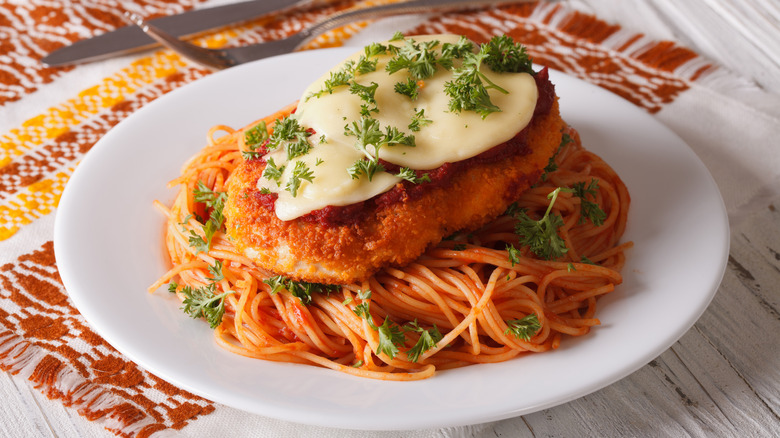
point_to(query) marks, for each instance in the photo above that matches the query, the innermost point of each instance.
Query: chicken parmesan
(394, 149)
(422, 207)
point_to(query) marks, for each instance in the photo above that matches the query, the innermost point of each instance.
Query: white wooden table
(722, 378)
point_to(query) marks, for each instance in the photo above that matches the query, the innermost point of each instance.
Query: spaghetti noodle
(473, 298)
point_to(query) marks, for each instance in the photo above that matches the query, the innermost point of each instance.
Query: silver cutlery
(130, 38)
(228, 57)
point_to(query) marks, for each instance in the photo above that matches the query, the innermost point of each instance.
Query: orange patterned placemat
(43, 337)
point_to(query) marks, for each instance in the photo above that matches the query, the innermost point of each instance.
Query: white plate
(108, 243)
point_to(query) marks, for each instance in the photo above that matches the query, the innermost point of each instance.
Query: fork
(229, 57)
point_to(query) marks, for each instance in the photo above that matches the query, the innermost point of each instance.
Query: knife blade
(130, 39)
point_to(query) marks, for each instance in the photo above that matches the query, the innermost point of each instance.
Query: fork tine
(200, 55)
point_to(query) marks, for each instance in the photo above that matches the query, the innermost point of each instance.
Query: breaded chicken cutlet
(384, 174)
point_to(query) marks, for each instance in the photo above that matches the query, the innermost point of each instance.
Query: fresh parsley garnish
(204, 302)
(504, 55)
(409, 88)
(300, 172)
(288, 133)
(300, 289)
(365, 167)
(418, 121)
(215, 202)
(216, 272)
(419, 58)
(390, 338)
(542, 236)
(366, 94)
(589, 209)
(524, 328)
(272, 172)
(552, 165)
(428, 339)
(468, 89)
(514, 254)
(411, 176)
(256, 135)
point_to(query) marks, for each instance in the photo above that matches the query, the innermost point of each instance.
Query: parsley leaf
(589, 209)
(552, 166)
(216, 272)
(272, 172)
(504, 55)
(365, 167)
(256, 135)
(290, 134)
(514, 254)
(411, 176)
(362, 311)
(390, 337)
(409, 88)
(419, 58)
(457, 50)
(418, 121)
(215, 201)
(428, 339)
(337, 79)
(302, 290)
(469, 87)
(524, 328)
(203, 302)
(393, 137)
(542, 236)
(366, 94)
(300, 172)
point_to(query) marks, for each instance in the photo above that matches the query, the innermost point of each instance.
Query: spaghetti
(476, 297)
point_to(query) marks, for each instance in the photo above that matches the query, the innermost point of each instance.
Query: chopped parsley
(524, 328)
(368, 133)
(552, 166)
(418, 121)
(204, 302)
(589, 209)
(428, 339)
(514, 254)
(468, 89)
(253, 138)
(300, 289)
(542, 236)
(409, 88)
(300, 172)
(391, 335)
(272, 172)
(215, 202)
(288, 133)
(390, 338)
(411, 176)
(504, 55)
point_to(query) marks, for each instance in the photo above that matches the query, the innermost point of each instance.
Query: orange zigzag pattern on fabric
(44, 339)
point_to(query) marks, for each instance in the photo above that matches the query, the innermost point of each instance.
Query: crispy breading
(392, 235)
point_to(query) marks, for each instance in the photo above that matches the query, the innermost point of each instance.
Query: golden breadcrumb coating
(391, 235)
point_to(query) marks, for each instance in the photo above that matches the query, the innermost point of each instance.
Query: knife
(130, 39)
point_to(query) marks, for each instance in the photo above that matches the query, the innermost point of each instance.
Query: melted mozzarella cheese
(445, 137)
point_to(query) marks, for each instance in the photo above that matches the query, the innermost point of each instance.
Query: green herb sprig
(524, 328)
(542, 236)
(300, 289)
(215, 202)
